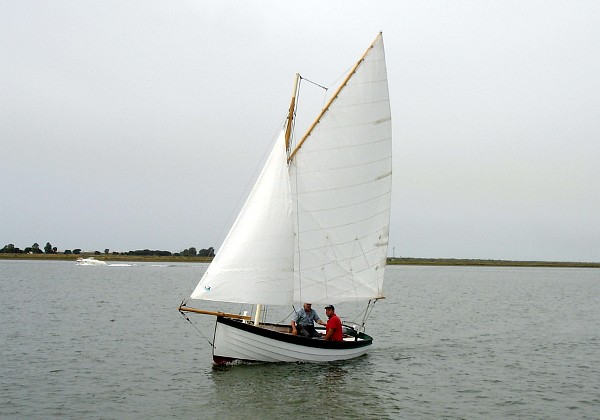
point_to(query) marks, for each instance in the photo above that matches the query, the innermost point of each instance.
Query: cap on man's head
(330, 307)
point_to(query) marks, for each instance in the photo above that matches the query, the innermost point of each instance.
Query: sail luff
(333, 98)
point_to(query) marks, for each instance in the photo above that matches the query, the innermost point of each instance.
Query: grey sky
(138, 124)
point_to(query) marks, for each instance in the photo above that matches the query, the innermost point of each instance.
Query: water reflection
(331, 389)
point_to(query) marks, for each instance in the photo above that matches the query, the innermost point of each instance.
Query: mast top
(290, 118)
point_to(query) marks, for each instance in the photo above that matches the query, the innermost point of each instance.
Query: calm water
(107, 342)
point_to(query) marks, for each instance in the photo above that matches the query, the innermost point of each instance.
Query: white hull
(234, 340)
(89, 261)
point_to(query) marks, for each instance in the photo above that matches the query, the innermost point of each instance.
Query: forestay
(255, 263)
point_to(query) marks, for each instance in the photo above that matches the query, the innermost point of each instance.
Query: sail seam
(350, 126)
(354, 222)
(349, 104)
(375, 252)
(356, 203)
(343, 171)
(370, 82)
(370, 181)
(349, 146)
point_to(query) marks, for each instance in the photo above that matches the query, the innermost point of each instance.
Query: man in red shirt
(334, 325)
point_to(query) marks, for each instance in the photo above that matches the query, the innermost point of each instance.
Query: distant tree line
(49, 249)
(33, 249)
(191, 252)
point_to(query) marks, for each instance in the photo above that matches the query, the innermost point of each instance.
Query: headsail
(341, 185)
(255, 262)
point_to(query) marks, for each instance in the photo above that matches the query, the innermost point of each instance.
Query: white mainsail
(316, 229)
(341, 184)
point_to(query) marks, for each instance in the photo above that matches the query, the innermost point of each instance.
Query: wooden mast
(288, 129)
(334, 97)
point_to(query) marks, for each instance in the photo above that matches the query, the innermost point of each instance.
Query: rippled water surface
(450, 342)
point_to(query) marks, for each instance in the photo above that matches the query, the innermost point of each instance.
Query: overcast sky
(138, 124)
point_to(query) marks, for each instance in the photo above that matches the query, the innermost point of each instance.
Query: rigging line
(296, 220)
(357, 316)
(197, 329)
(326, 89)
(369, 311)
(287, 316)
(341, 76)
(246, 191)
(314, 83)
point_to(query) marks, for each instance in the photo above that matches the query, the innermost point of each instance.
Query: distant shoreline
(105, 257)
(489, 263)
(390, 261)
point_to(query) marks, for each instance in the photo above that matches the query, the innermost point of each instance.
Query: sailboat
(314, 227)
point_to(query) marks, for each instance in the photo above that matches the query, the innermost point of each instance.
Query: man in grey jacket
(304, 320)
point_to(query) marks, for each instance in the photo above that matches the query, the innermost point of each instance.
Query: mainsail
(315, 229)
(341, 183)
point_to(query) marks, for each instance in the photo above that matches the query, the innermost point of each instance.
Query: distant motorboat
(89, 261)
